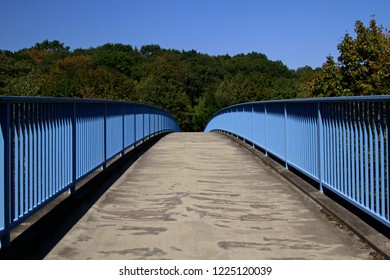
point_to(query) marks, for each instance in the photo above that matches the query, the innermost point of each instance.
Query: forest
(190, 85)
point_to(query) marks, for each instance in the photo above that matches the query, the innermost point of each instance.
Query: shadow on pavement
(41, 237)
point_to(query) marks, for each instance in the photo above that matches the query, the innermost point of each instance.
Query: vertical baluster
(367, 153)
(354, 157)
(16, 157)
(325, 143)
(355, 150)
(338, 142)
(376, 159)
(22, 160)
(34, 154)
(37, 153)
(361, 145)
(344, 150)
(372, 166)
(382, 163)
(387, 185)
(352, 151)
(6, 135)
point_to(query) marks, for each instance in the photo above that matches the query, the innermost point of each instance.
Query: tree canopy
(363, 66)
(190, 85)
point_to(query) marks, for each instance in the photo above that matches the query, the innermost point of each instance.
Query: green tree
(190, 85)
(52, 46)
(150, 50)
(119, 57)
(363, 66)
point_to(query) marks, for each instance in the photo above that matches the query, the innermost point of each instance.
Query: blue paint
(342, 143)
(57, 142)
(3, 126)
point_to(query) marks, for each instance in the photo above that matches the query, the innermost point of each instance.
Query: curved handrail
(47, 145)
(342, 143)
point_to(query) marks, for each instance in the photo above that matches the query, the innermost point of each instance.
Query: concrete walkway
(202, 196)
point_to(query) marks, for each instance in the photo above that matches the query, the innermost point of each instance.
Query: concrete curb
(367, 233)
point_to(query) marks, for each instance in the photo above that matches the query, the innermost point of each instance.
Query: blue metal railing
(342, 143)
(47, 145)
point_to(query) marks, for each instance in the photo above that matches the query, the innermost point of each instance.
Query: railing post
(135, 126)
(320, 145)
(105, 136)
(72, 189)
(265, 130)
(150, 123)
(123, 130)
(253, 126)
(3, 152)
(143, 124)
(387, 115)
(285, 136)
(5, 126)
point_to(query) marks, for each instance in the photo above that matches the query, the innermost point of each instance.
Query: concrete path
(202, 196)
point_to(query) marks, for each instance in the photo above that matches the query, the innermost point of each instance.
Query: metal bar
(382, 163)
(366, 155)
(123, 130)
(387, 162)
(361, 177)
(377, 159)
(16, 163)
(334, 151)
(349, 149)
(344, 167)
(5, 196)
(265, 129)
(320, 145)
(355, 159)
(372, 163)
(285, 135)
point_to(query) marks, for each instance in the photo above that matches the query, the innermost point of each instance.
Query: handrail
(47, 145)
(342, 143)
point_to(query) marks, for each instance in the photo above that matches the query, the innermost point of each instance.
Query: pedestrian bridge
(201, 195)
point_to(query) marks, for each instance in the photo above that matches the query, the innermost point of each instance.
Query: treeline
(190, 85)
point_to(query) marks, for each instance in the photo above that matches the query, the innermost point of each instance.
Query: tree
(120, 57)
(363, 67)
(189, 85)
(328, 81)
(52, 46)
(150, 50)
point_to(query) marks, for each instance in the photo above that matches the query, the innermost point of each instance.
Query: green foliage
(363, 67)
(190, 85)
(52, 46)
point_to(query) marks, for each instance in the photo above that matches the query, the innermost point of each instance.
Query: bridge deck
(201, 196)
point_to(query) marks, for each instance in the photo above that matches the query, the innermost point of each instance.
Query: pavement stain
(274, 244)
(258, 217)
(136, 215)
(261, 206)
(204, 213)
(143, 230)
(227, 245)
(68, 252)
(213, 200)
(259, 228)
(219, 208)
(84, 238)
(171, 201)
(140, 253)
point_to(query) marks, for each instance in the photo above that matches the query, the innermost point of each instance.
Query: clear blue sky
(299, 33)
